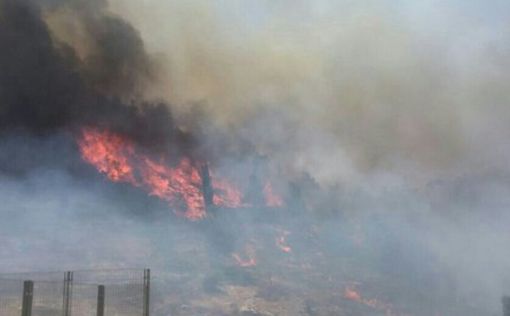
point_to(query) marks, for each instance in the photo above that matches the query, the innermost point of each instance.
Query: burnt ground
(326, 265)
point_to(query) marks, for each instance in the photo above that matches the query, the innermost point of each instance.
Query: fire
(118, 160)
(180, 186)
(244, 262)
(109, 153)
(174, 185)
(226, 194)
(248, 259)
(352, 294)
(281, 242)
(272, 199)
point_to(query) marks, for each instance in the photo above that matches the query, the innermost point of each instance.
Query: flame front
(176, 185)
(350, 293)
(119, 161)
(179, 186)
(109, 153)
(226, 194)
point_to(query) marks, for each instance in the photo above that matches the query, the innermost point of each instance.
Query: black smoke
(45, 87)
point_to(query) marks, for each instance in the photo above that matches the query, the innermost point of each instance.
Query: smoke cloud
(350, 88)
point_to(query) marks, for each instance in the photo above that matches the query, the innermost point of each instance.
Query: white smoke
(416, 89)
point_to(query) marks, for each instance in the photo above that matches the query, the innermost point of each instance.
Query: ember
(352, 294)
(248, 259)
(281, 242)
(272, 199)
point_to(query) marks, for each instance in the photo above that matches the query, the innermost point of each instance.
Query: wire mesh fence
(47, 298)
(78, 293)
(10, 297)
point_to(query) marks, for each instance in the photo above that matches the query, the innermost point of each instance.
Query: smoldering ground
(387, 124)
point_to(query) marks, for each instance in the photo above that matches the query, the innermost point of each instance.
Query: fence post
(100, 300)
(506, 305)
(146, 291)
(68, 293)
(207, 189)
(28, 295)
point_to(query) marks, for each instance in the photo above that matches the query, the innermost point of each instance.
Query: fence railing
(76, 293)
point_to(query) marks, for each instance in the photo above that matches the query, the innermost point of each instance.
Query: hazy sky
(419, 89)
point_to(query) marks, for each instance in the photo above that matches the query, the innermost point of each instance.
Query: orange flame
(244, 262)
(109, 153)
(281, 242)
(226, 194)
(174, 185)
(180, 186)
(272, 199)
(352, 294)
(248, 259)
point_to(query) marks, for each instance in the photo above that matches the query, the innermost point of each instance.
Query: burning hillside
(264, 158)
(182, 186)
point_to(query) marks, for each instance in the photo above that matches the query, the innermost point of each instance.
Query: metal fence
(76, 293)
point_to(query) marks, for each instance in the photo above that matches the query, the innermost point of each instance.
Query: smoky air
(262, 158)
